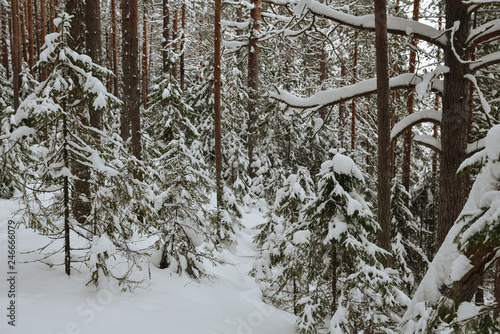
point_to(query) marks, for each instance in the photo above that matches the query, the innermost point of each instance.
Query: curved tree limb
(395, 25)
(342, 94)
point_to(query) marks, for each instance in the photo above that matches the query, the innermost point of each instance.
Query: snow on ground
(48, 302)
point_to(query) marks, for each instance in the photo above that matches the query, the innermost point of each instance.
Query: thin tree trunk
(393, 104)
(175, 35)
(5, 33)
(183, 42)
(31, 39)
(217, 106)
(497, 287)
(114, 41)
(43, 31)
(409, 108)
(322, 78)
(353, 102)
(166, 35)
(384, 117)
(16, 51)
(37, 29)
(67, 246)
(144, 59)
(342, 107)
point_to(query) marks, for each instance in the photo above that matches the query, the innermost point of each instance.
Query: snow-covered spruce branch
(485, 61)
(342, 94)
(395, 25)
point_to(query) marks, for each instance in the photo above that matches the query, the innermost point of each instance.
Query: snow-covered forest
(260, 166)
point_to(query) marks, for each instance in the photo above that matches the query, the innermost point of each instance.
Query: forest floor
(47, 301)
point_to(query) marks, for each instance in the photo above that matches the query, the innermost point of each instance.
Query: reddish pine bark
(217, 106)
(144, 60)
(16, 51)
(383, 118)
(130, 114)
(452, 192)
(353, 103)
(4, 34)
(166, 34)
(114, 41)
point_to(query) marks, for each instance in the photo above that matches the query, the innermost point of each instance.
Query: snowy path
(48, 302)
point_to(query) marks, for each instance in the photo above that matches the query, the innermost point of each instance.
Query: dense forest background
(368, 130)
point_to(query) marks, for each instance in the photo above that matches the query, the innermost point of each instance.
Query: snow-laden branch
(395, 25)
(342, 94)
(238, 25)
(481, 2)
(484, 33)
(492, 58)
(428, 141)
(428, 115)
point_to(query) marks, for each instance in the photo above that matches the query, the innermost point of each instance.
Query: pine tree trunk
(322, 78)
(93, 44)
(16, 51)
(497, 287)
(384, 117)
(183, 42)
(52, 14)
(144, 60)
(43, 31)
(114, 41)
(130, 116)
(5, 33)
(217, 98)
(253, 84)
(452, 192)
(166, 35)
(353, 103)
(67, 246)
(175, 35)
(31, 39)
(342, 107)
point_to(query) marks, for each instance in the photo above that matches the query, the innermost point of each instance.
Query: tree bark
(31, 39)
(354, 80)
(217, 101)
(5, 33)
(16, 51)
(166, 35)
(384, 117)
(130, 115)
(183, 42)
(452, 192)
(43, 31)
(52, 14)
(253, 84)
(114, 41)
(93, 44)
(175, 35)
(144, 60)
